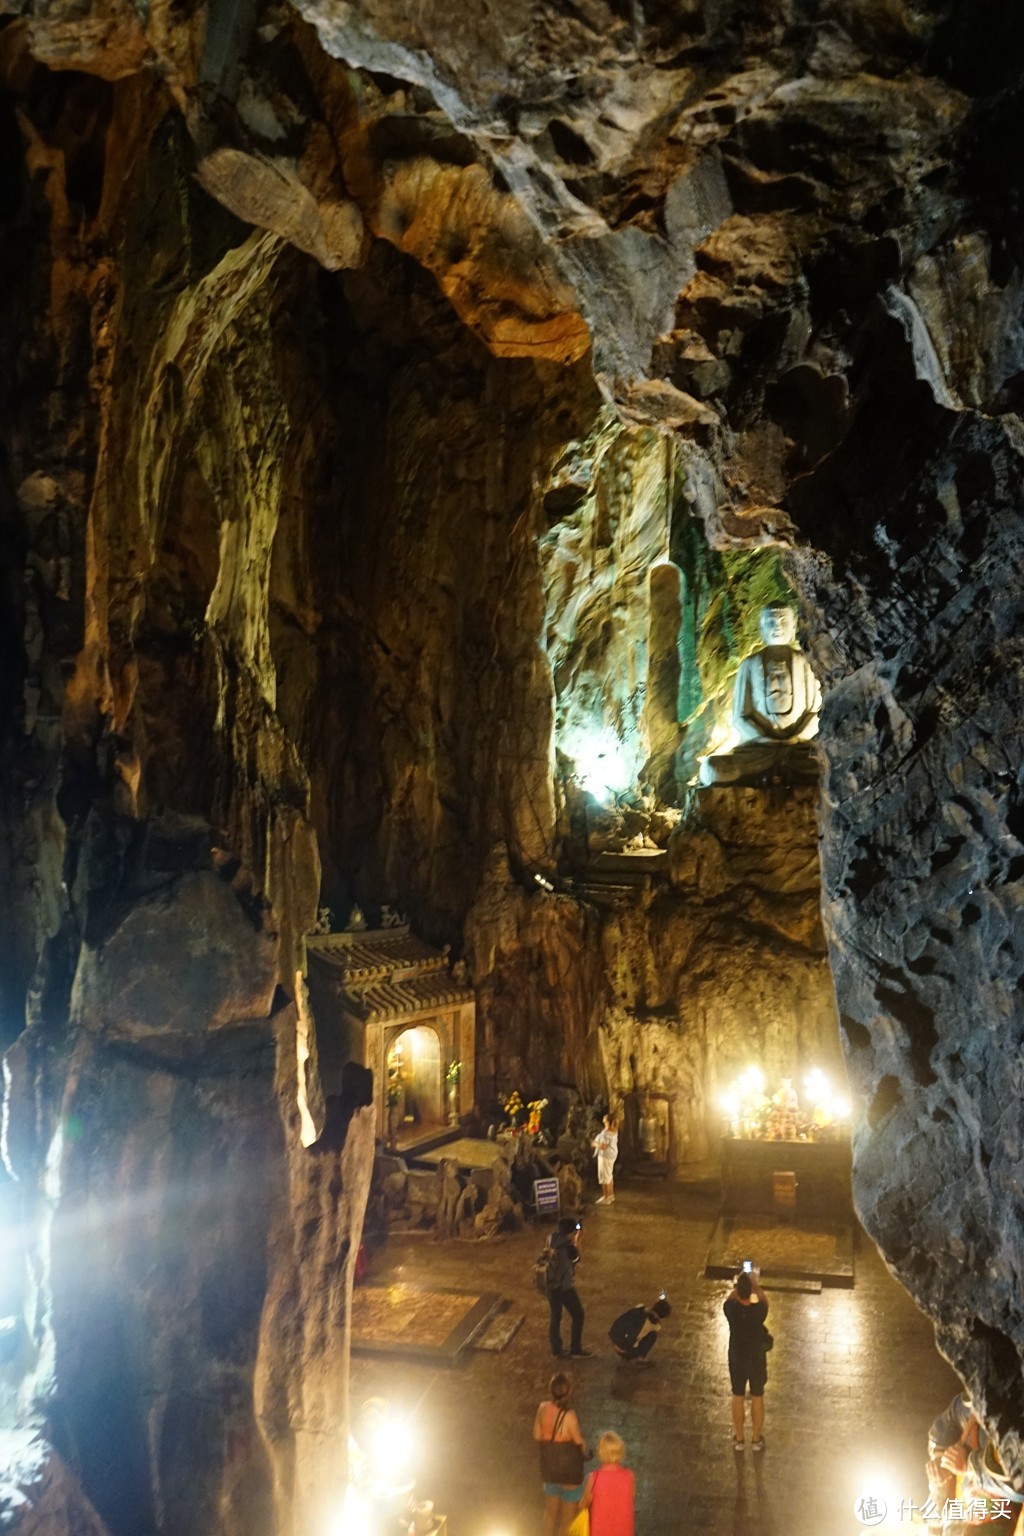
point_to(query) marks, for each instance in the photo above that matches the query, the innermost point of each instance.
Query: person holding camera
(562, 1293)
(746, 1308)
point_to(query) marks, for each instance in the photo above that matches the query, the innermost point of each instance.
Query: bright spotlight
(392, 1443)
(603, 766)
(816, 1084)
(389, 1447)
(354, 1518)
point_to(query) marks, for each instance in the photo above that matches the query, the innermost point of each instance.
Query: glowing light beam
(603, 766)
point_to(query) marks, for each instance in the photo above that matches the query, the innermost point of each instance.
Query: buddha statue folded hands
(774, 714)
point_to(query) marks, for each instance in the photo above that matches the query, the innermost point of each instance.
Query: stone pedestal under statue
(774, 712)
(822, 1170)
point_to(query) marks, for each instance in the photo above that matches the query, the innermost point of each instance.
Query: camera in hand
(748, 1265)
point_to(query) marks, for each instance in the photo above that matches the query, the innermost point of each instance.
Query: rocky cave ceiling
(336, 337)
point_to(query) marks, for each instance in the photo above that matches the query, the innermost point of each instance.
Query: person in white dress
(606, 1146)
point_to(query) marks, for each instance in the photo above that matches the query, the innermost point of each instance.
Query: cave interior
(405, 421)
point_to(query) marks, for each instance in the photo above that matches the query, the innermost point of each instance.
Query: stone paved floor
(854, 1381)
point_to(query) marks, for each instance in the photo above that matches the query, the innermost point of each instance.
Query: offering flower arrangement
(516, 1109)
(514, 1105)
(536, 1107)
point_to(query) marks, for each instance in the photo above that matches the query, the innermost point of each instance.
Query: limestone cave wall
(389, 397)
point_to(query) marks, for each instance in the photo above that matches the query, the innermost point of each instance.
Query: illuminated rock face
(193, 1262)
(610, 508)
(287, 481)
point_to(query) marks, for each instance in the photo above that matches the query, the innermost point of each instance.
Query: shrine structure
(385, 999)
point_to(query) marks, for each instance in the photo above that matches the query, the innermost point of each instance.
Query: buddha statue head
(777, 624)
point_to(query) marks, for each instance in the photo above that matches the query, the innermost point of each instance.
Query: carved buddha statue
(774, 711)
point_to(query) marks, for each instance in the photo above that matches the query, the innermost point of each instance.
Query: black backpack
(542, 1271)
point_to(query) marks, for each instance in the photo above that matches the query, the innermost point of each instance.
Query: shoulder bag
(561, 1461)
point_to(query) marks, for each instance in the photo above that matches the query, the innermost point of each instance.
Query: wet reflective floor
(854, 1382)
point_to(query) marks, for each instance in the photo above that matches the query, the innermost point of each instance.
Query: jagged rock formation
(193, 1261)
(298, 510)
(38, 1493)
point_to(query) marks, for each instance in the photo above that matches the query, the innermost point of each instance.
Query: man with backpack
(557, 1267)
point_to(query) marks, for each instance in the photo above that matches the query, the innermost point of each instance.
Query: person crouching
(635, 1333)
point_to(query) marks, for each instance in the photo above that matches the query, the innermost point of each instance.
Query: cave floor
(854, 1382)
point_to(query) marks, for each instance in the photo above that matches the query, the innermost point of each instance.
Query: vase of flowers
(394, 1099)
(452, 1078)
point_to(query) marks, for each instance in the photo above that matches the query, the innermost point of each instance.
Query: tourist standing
(746, 1308)
(562, 1450)
(562, 1293)
(606, 1146)
(610, 1490)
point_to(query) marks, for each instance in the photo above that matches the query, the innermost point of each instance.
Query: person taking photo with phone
(746, 1308)
(562, 1293)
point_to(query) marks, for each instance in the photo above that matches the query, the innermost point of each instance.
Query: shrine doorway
(414, 1082)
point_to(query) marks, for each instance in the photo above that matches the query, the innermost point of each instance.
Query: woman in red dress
(609, 1491)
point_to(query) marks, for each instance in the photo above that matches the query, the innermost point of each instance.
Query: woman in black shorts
(746, 1308)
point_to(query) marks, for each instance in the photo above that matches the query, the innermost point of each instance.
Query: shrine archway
(415, 1080)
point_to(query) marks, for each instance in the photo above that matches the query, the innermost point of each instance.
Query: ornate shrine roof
(371, 952)
(398, 999)
(389, 973)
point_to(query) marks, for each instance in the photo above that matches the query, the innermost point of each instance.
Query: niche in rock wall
(414, 1068)
(612, 613)
(724, 594)
(665, 589)
(718, 965)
